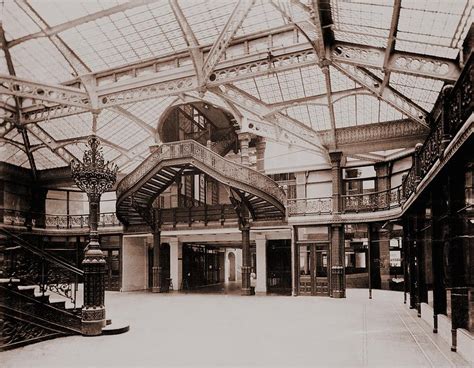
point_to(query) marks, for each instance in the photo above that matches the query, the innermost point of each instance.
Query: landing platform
(196, 330)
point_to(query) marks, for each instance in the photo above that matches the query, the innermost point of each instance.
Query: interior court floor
(204, 330)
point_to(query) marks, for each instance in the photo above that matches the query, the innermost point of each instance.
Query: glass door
(313, 269)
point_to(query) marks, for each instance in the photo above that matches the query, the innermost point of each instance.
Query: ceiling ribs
(360, 75)
(18, 102)
(191, 40)
(223, 40)
(82, 20)
(397, 4)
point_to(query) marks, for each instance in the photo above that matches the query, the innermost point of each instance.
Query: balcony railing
(51, 221)
(448, 116)
(374, 201)
(309, 206)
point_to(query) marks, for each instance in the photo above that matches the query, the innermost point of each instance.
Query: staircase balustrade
(26, 264)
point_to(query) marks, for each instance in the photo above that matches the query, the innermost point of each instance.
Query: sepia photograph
(236, 183)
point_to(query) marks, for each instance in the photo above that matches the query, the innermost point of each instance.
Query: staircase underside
(136, 192)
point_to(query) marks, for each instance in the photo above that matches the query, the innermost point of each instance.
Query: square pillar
(261, 247)
(260, 151)
(338, 275)
(176, 263)
(157, 269)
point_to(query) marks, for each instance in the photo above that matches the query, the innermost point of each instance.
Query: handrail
(309, 206)
(448, 116)
(189, 149)
(45, 220)
(373, 201)
(41, 253)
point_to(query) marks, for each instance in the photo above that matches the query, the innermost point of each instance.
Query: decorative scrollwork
(94, 175)
(309, 206)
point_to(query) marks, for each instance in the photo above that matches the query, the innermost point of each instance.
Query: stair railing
(25, 264)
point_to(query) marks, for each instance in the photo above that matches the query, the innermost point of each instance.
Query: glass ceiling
(105, 35)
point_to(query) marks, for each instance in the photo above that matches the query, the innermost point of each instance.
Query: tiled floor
(231, 330)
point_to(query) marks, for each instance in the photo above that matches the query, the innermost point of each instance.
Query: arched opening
(202, 122)
(231, 258)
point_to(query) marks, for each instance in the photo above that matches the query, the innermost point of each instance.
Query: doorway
(314, 269)
(231, 257)
(112, 269)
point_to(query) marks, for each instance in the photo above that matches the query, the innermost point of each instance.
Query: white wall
(135, 263)
(283, 158)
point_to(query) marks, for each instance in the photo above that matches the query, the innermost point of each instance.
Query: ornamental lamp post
(94, 176)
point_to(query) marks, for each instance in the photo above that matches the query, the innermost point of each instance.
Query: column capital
(244, 136)
(335, 157)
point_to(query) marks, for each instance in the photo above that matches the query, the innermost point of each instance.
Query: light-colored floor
(230, 330)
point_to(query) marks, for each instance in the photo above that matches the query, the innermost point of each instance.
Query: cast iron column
(260, 151)
(157, 269)
(94, 176)
(245, 228)
(244, 139)
(338, 284)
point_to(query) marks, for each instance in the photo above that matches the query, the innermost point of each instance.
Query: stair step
(58, 304)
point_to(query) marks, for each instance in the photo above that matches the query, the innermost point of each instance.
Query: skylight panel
(345, 112)
(13, 155)
(68, 127)
(262, 16)
(7, 150)
(316, 117)
(291, 84)
(207, 18)
(14, 135)
(136, 34)
(15, 22)
(432, 27)
(45, 159)
(269, 89)
(339, 82)
(120, 130)
(361, 22)
(389, 113)
(367, 108)
(56, 12)
(423, 91)
(3, 63)
(150, 111)
(249, 86)
(314, 81)
(40, 60)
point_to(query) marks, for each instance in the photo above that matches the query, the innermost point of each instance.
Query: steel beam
(191, 39)
(399, 62)
(82, 20)
(277, 126)
(18, 104)
(389, 95)
(11, 85)
(397, 4)
(223, 40)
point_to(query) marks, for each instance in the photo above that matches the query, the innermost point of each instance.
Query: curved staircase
(137, 191)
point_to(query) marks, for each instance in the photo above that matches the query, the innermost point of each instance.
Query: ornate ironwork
(27, 265)
(94, 176)
(449, 115)
(309, 206)
(231, 173)
(374, 201)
